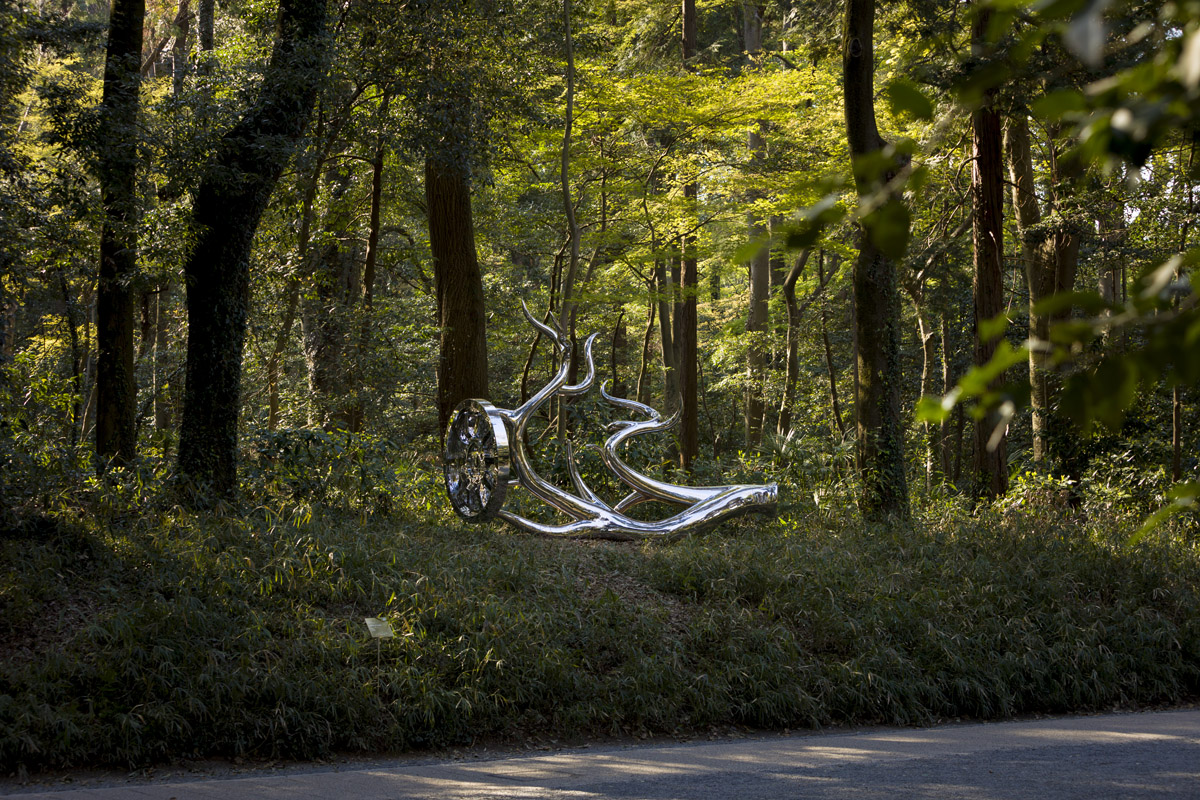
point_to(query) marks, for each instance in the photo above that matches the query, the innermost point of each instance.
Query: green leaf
(748, 250)
(931, 408)
(993, 328)
(1182, 496)
(888, 227)
(1058, 104)
(978, 380)
(813, 221)
(1059, 302)
(905, 99)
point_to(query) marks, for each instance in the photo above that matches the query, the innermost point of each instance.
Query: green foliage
(149, 637)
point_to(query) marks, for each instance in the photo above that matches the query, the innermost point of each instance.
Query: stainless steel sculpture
(485, 454)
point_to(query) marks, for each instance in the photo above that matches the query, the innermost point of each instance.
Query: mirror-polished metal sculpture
(485, 454)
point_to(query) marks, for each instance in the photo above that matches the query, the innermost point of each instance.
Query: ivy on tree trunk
(880, 453)
(229, 202)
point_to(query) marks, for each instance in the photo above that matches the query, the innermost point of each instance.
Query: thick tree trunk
(230, 200)
(462, 363)
(116, 391)
(876, 300)
(987, 218)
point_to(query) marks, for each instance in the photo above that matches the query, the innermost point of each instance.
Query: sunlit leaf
(905, 99)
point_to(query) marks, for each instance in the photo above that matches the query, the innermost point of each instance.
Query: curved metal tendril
(591, 516)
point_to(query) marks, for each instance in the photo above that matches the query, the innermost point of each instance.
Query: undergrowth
(133, 638)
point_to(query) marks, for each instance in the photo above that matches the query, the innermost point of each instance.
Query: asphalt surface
(1137, 755)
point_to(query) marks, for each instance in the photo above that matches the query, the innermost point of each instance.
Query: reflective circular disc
(476, 460)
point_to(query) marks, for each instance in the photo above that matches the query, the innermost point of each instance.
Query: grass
(135, 638)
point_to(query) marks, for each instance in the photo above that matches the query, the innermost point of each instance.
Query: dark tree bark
(689, 385)
(204, 32)
(179, 49)
(229, 202)
(987, 225)
(617, 354)
(116, 391)
(760, 264)
(688, 330)
(462, 363)
(643, 388)
(792, 356)
(880, 453)
(834, 402)
(162, 403)
(664, 288)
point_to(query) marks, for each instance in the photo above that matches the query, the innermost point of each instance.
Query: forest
(923, 263)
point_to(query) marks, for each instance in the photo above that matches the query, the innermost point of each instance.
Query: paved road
(1147, 755)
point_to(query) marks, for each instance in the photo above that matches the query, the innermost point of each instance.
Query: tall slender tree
(116, 390)
(760, 262)
(689, 388)
(987, 215)
(880, 453)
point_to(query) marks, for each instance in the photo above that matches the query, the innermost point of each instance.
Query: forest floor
(143, 639)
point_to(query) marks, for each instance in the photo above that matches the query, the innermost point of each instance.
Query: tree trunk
(370, 264)
(78, 356)
(162, 405)
(116, 391)
(987, 217)
(760, 263)
(931, 444)
(689, 387)
(229, 202)
(327, 312)
(462, 362)
(794, 315)
(876, 300)
(947, 385)
(204, 32)
(179, 49)
(1050, 257)
(643, 388)
(665, 290)
(830, 369)
(687, 317)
